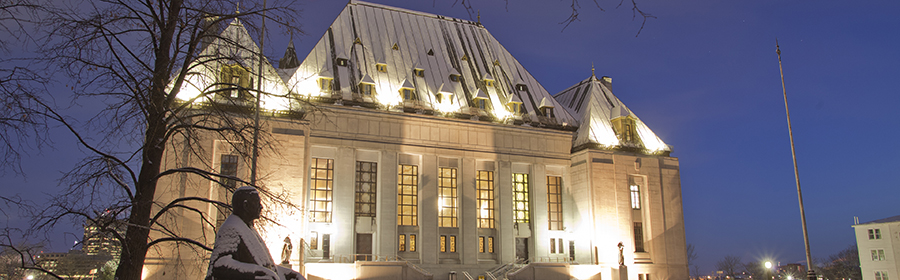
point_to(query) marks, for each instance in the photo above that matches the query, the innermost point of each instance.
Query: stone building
(432, 152)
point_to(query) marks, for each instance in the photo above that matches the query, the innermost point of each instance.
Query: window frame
(407, 195)
(554, 203)
(321, 196)
(371, 169)
(521, 207)
(484, 199)
(448, 215)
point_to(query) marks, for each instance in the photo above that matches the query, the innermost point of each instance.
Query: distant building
(878, 243)
(794, 270)
(435, 152)
(74, 264)
(100, 237)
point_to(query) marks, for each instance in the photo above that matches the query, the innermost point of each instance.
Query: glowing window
(443, 244)
(381, 67)
(447, 215)
(521, 87)
(635, 193)
(407, 195)
(488, 83)
(484, 191)
(419, 72)
(228, 165)
(452, 244)
(481, 241)
(366, 178)
(313, 240)
(402, 243)
(412, 242)
(881, 275)
(321, 186)
(547, 112)
(515, 108)
(520, 198)
(342, 62)
(554, 202)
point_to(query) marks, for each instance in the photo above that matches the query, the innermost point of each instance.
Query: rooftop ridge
(412, 12)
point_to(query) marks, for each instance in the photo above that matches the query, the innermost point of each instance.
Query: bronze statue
(286, 251)
(239, 252)
(621, 255)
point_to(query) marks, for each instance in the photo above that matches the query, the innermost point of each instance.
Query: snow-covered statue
(239, 252)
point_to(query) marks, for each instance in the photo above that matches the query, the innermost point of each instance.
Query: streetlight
(768, 270)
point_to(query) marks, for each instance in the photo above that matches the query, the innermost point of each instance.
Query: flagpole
(262, 42)
(810, 274)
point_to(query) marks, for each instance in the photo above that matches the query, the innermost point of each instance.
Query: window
(431, 52)
(554, 202)
(521, 87)
(874, 233)
(342, 62)
(325, 84)
(454, 77)
(490, 245)
(228, 167)
(520, 198)
(402, 243)
(443, 244)
(408, 94)
(553, 245)
(484, 188)
(878, 255)
(547, 112)
(313, 240)
(515, 108)
(419, 72)
(638, 237)
(881, 275)
(635, 194)
(407, 195)
(381, 67)
(366, 177)
(489, 83)
(481, 244)
(412, 242)
(235, 80)
(481, 103)
(366, 89)
(448, 197)
(452, 245)
(629, 133)
(321, 179)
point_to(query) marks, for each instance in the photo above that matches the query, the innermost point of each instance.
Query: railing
(467, 275)
(414, 266)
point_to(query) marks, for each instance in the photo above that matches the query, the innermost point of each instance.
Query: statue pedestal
(620, 273)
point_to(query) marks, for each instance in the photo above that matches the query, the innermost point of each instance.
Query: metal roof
(594, 105)
(439, 45)
(885, 220)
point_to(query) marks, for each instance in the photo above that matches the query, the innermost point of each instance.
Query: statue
(621, 256)
(286, 251)
(239, 252)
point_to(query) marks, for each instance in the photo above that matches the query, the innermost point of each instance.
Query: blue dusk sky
(704, 77)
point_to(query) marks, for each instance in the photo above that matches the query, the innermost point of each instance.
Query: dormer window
(454, 77)
(444, 96)
(235, 79)
(341, 62)
(367, 86)
(489, 83)
(325, 84)
(515, 108)
(381, 67)
(419, 72)
(408, 94)
(547, 112)
(625, 129)
(481, 103)
(366, 89)
(521, 87)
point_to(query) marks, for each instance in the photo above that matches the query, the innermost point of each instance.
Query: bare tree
(575, 6)
(843, 265)
(729, 265)
(692, 260)
(128, 61)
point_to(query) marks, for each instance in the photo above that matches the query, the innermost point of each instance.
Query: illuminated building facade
(878, 248)
(434, 148)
